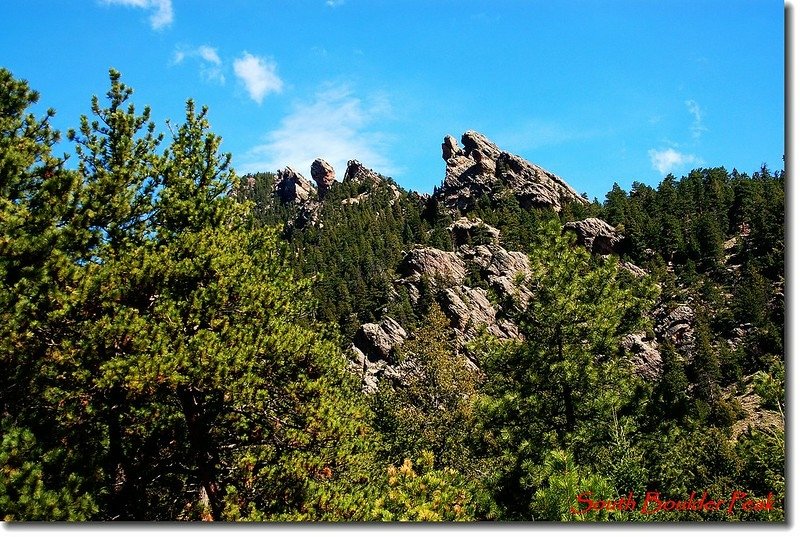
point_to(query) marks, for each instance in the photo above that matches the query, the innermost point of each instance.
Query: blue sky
(595, 91)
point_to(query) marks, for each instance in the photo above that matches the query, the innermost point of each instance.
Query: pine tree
(561, 386)
(38, 200)
(189, 378)
(431, 409)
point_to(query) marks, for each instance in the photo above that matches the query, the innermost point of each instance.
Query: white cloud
(209, 54)
(258, 76)
(669, 160)
(697, 127)
(162, 15)
(211, 67)
(334, 126)
(334, 3)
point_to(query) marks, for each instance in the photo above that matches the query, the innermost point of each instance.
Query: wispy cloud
(535, 133)
(211, 67)
(259, 76)
(697, 128)
(335, 126)
(334, 3)
(669, 160)
(161, 16)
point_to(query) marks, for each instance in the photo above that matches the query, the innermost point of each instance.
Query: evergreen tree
(561, 386)
(38, 249)
(432, 409)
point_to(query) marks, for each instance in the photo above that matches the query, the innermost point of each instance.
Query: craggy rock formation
(466, 304)
(292, 187)
(360, 174)
(598, 236)
(481, 167)
(469, 231)
(644, 355)
(373, 351)
(323, 174)
(469, 311)
(462, 281)
(435, 265)
(377, 341)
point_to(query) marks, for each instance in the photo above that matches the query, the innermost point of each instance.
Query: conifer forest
(182, 342)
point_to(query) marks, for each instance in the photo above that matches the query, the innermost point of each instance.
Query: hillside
(180, 343)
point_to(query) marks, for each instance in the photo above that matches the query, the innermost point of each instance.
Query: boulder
(376, 341)
(292, 187)
(598, 236)
(323, 174)
(644, 356)
(437, 265)
(450, 148)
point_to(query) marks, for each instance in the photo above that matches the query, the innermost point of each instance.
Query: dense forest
(177, 341)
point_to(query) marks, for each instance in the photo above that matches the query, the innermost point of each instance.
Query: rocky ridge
(477, 169)
(481, 168)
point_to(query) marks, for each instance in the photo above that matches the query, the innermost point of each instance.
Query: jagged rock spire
(480, 167)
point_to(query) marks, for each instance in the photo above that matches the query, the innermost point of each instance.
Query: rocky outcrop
(359, 173)
(675, 325)
(473, 231)
(323, 174)
(436, 265)
(481, 168)
(373, 353)
(598, 236)
(377, 341)
(644, 355)
(292, 187)
(470, 311)
(467, 305)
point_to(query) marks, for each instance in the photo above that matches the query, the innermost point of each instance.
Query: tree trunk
(203, 455)
(569, 406)
(119, 499)
(569, 403)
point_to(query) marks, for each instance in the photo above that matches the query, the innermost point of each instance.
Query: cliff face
(466, 304)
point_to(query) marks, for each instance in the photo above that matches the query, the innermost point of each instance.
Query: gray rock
(360, 174)
(450, 148)
(676, 326)
(469, 311)
(597, 235)
(644, 356)
(482, 168)
(508, 263)
(292, 187)
(473, 231)
(636, 270)
(533, 185)
(476, 142)
(437, 265)
(377, 341)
